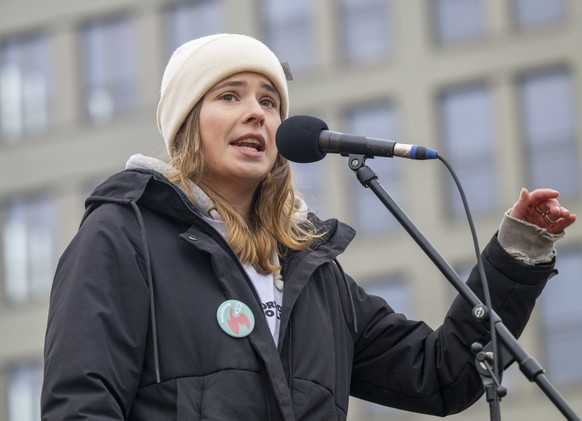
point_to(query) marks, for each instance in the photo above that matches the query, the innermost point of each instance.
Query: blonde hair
(271, 224)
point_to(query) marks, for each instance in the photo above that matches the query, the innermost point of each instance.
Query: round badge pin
(235, 318)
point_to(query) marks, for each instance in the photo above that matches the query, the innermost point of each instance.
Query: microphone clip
(365, 175)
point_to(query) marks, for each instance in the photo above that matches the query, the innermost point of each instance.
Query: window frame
(536, 148)
(23, 285)
(389, 172)
(453, 206)
(31, 53)
(108, 90)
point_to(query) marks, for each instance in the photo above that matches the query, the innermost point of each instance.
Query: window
(24, 87)
(549, 130)
(24, 386)
(396, 292)
(28, 247)
(458, 20)
(190, 20)
(288, 31)
(108, 52)
(308, 179)
(529, 13)
(365, 27)
(463, 270)
(468, 137)
(561, 320)
(392, 289)
(370, 215)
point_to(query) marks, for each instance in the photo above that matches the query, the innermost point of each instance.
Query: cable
(480, 268)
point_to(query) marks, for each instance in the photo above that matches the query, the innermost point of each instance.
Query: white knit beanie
(196, 66)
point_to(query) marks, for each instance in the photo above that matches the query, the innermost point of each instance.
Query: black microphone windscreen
(298, 138)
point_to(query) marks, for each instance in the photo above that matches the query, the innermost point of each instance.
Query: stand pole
(531, 369)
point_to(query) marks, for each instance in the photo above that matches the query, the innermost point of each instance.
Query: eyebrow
(239, 83)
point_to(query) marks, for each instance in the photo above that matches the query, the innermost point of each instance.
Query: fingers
(539, 195)
(550, 207)
(554, 217)
(542, 208)
(545, 200)
(562, 223)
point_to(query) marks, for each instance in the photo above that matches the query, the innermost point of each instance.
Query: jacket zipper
(220, 240)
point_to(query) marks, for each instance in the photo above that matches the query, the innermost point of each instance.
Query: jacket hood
(145, 182)
(145, 188)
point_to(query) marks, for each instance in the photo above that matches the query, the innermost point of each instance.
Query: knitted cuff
(527, 242)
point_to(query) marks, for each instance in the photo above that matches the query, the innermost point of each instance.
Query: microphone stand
(532, 370)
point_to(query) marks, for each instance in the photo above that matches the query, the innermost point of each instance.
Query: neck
(240, 199)
(242, 207)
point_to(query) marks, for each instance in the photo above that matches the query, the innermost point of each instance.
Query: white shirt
(270, 297)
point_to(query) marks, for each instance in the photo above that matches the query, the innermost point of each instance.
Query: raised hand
(542, 208)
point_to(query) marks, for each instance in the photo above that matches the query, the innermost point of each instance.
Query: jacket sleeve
(405, 364)
(98, 321)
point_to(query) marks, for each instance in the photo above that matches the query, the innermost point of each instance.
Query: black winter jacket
(132, 331)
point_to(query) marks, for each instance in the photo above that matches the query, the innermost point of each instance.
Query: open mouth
(249, 143)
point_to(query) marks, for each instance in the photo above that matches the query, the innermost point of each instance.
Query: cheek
(273, 135)
(210, 138)
(207, 131)
(210, 123)
(210, 153)
(208, 146)
(273, 126)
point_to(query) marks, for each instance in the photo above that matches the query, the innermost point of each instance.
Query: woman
(203, 289)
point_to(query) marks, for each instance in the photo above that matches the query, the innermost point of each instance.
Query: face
(238, 121)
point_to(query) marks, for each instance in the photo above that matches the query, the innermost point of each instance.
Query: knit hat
(196, 66)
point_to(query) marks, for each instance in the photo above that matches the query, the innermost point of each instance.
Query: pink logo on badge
(235, 318)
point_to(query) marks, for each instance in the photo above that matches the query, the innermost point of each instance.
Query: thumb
(522, 203)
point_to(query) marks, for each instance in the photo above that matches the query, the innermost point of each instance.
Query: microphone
(305, 139)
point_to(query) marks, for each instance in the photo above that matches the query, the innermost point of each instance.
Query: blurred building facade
(494, 85)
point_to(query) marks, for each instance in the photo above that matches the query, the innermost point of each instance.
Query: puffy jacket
(133, 335)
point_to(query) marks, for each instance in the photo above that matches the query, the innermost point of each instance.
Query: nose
(255, 112)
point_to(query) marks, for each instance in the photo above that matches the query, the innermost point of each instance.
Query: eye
(268, 102)
(228, 97)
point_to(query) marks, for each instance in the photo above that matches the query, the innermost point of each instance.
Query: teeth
(252, 144)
